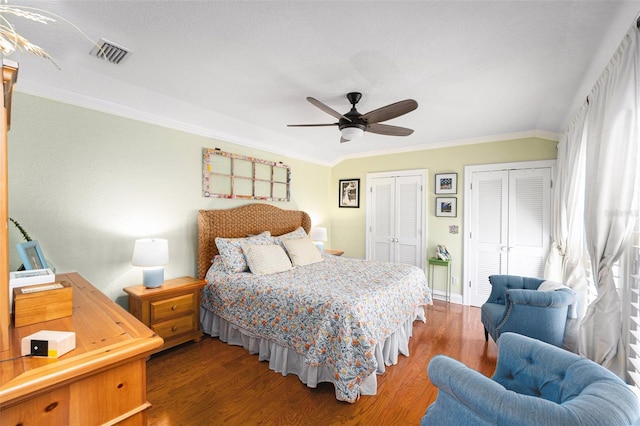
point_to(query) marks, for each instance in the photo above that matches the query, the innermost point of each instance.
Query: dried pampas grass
(10, 40)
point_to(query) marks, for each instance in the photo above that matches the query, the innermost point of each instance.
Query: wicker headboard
(240, 222)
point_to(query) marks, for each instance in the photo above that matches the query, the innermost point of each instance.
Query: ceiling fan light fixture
(351, 133)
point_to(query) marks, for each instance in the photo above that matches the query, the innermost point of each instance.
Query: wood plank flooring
(212, 383)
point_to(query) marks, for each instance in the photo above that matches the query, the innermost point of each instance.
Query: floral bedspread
(332, 312)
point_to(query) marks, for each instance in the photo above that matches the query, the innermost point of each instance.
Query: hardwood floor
(212, 383)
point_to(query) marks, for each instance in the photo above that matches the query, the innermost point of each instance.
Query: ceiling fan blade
(390, 111)
(327, 109)
(312, 125)
(385, 129)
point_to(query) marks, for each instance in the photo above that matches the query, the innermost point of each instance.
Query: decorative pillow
(302, 251)
(231, 250)
(217, 264)
(266, 259)
(293, 235)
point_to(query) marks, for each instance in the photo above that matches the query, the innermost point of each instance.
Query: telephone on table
(442, 253)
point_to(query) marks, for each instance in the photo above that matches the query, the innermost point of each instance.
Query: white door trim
(397, 173)
(468, 170)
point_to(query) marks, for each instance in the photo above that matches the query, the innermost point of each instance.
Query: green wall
(347, 230)
(86, 184)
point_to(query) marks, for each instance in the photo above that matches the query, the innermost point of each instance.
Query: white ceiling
(240, 71)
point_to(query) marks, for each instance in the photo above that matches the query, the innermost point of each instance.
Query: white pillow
(266, 259)
(298, 233)
(302, 251)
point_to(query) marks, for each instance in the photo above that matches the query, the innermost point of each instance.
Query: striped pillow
(302, 251)
(266, 259)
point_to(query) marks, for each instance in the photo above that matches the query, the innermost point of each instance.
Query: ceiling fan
(353, 124)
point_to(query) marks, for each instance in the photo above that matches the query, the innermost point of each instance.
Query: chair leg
(486, 335)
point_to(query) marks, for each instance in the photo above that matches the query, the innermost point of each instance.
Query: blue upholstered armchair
(515, 304)
(534, 384)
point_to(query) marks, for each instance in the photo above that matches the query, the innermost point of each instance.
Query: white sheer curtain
(612, 161)
(596, 194)
(568, 261)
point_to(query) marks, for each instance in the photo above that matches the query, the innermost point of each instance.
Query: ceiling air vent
(113, 53)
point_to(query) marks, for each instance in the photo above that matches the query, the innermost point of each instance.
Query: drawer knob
(174, 328)
(174, 307)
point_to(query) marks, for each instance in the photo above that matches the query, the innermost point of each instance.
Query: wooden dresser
(102, 381)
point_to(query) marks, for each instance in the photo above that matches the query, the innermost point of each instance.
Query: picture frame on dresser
(31, 255)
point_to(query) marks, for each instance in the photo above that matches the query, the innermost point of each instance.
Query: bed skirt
(287, 361)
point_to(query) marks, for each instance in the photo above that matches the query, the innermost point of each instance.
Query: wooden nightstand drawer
(170, 308)
(174, 327)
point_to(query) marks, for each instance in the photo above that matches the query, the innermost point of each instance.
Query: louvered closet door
(409, 224)
(529, 221)
(489, 230)
(383, 219)
(396, 219)
(510, 227)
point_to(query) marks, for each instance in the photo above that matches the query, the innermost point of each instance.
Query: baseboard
(440, 295)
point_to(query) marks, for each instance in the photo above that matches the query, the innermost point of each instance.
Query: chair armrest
(469, 387)
(538, 314)
(489, 400)
(547, 299)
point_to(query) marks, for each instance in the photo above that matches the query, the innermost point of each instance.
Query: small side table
(433, 262)
(171, 310)
(334, 252)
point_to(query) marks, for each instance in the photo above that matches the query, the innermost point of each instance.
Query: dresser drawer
(174, 327)
(121, 386)
(51, 408)
(170, 308)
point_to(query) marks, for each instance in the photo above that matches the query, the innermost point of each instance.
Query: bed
(337, 319)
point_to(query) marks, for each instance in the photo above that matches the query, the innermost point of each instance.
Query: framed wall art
(446, 206)
(349, 193)
(31, 255)
(446, 183)
(228, 175)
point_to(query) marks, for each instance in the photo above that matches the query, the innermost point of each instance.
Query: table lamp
(319, 236)
(151, 254)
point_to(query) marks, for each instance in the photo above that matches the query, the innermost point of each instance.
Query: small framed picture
(349, 193)
(31, 255)
(446, 206)
(446, 183)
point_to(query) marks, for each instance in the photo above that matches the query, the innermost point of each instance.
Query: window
(633, 277)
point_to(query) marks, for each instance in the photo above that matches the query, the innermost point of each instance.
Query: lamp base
(153, 277)
(320, 246)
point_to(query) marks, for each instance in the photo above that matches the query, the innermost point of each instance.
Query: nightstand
(172, 310)
(334, 252)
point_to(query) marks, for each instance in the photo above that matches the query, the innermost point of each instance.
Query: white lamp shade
(351, 133)
(150, 252)
(318, 234)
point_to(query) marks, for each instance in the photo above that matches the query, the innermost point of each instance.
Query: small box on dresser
(171, 310)
(42, 302)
